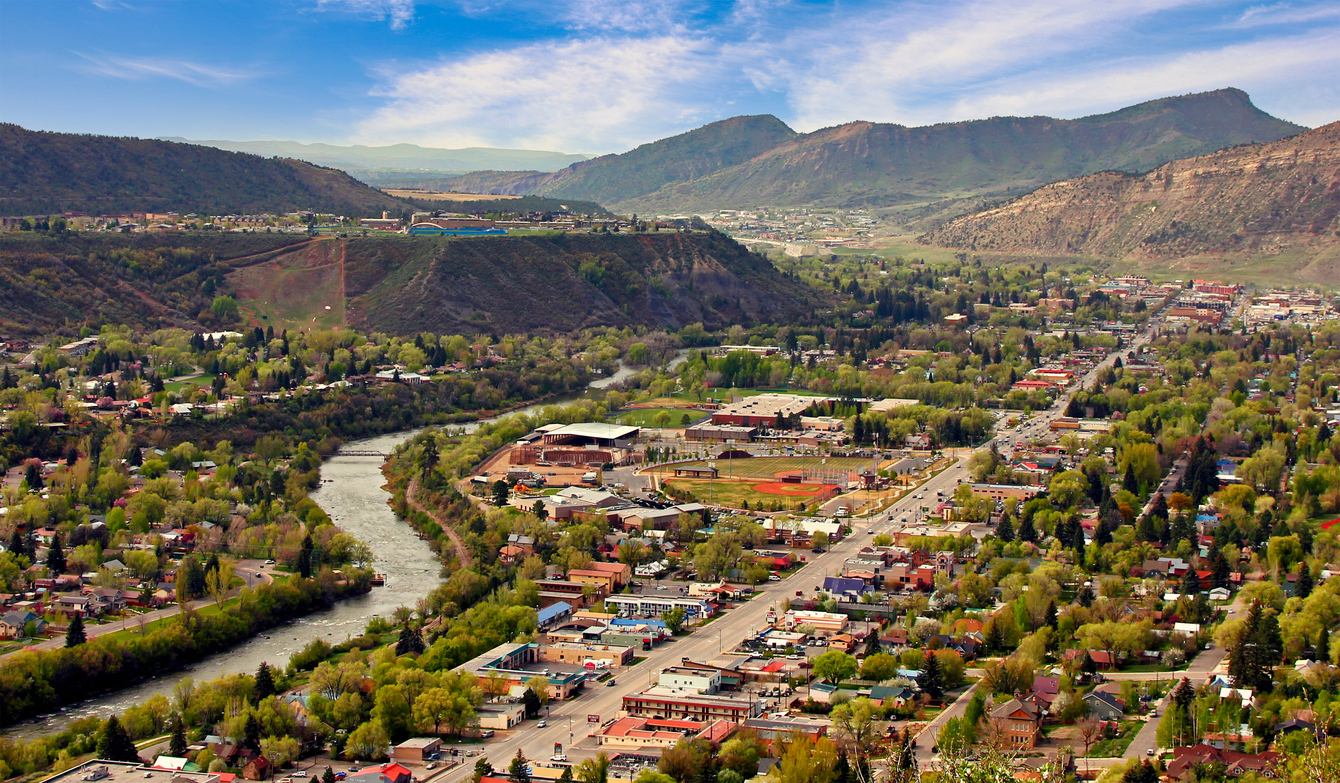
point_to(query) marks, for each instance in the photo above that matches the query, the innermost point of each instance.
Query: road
(252, 572)
(926, 739)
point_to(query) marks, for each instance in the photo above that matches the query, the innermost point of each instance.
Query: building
(763, 410)
(595, 434)
(129, 772)
(714, 433)
(657, 605)
(1000, 492)
(382, 773)
(416, 750)
(500, 717)
(774, 731)
(1021, 723)
(686, 678)
(674, 703)
(1105, 706)
(634, 733)
(516, 663)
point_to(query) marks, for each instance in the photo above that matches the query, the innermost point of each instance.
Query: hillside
(508, 284)
(42, 173)
(1279, 200)
(411, 159)
(875, 164)
(394, 284)
(147, 280)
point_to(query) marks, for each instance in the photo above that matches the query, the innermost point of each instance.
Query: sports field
(769, 467)
(736, 493)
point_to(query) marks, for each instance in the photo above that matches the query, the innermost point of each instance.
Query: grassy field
(646, 417)
(1111, 748)
(303, 289)
(768, 467)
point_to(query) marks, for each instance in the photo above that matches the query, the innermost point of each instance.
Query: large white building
(656, 605)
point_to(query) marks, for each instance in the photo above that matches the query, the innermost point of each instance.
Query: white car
(774, 578)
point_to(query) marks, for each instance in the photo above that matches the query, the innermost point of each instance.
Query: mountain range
(748, 161)
(43, 172)
(1277, 204)
(363, 161)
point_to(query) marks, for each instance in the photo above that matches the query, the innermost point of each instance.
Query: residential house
(259, 768)
(1020, 723)
(1105, 706)
(13, 624)
(1185, 760)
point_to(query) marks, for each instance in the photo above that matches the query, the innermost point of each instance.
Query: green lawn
(646, 417)
(1112, 748)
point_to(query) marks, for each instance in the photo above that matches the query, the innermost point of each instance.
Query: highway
(567, 721)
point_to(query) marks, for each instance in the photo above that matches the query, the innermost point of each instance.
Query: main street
(567, 721)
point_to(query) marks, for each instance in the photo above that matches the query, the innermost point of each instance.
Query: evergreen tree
(328, 776)
(56, 557)
(1304, 586)
(114, 744)
(931, 679)
(1085, 597)
(265, 683)
(1005, 530)
(74, 634)
(1160, 507)
(410, 642)
(483, 769)
(1128, 481)
(1144, 773)
(517, 769)
(1191, 583)
(177, 745)
(16, 544)
(1103, 535)
(34, 477)
(530, 702)
(1324, 645)
(1220, 571)
(1078, 544)
(1026, 530)
(251, 733)
(305, 557)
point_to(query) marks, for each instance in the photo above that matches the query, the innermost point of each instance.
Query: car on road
(774, 578)
(1149, 752)
(541, 724)
(609, 683)
(270, 562)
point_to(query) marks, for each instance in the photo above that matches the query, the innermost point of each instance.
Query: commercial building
(685, 678)
(517, 662)
(763, 410)
(634, 733)
(656, 605)
(675, 703)
(500, 717)
(416, 750)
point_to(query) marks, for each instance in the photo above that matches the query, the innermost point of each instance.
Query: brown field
(434, 195)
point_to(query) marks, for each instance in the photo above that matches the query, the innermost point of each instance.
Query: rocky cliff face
(1258, 199)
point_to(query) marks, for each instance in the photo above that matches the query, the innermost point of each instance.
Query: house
(1021, 723)
(13, 624)
(1296, 724)
(259, 768)
(1185, 760)
(384, 773)
(1105, 706)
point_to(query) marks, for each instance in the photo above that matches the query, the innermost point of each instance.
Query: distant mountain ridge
(1275, 200)
(746, 161)
(42, 172)
(359, 159)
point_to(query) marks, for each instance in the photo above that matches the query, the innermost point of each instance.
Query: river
(351, 493)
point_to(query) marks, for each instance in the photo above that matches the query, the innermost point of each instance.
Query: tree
(500, 492)
(835, 666)
(1143, 772)
(1089, 728)
(305, 557)
(177, 745)
(1304, 586)
(531, 703)
(114, 744)
(1324, 645)
(674, 620)
(328, 776)
(368, 741)
(483, 769)
(56, 557)
(539, 685)
(517, 770)
(74, 634)
(879, 667)
(1005, 530)
(594, 770)
(410, 642)
(265, 683)
(931, 679)
(855, 724)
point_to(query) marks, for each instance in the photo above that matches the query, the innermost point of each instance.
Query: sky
(597, 76)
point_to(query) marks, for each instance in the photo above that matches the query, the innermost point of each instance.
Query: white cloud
(1277, 62)
(136, 68)
(897, 63)
(634, 16)
(1285, 13)
(590, 95)
(399, 12)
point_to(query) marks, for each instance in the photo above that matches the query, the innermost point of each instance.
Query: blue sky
(595, 76)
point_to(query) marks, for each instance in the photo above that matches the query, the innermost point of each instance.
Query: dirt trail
(462, 553)
(241, 262)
